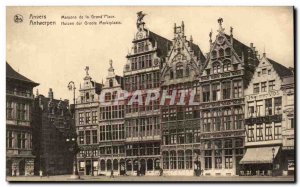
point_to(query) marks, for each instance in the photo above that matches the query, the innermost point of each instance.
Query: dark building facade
(229, 67)
(142, 122)
(19, 102)
(180, 122)
(52, 122)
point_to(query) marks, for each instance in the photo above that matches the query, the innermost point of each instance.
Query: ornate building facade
(264, 119)
(111, 126)
(19, 101)
(52, 121)
(87, 113)
(180, 122)
(227, 72)
(142, 122)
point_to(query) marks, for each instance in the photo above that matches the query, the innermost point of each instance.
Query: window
(9, 139)
(87, 137)
(221, 52)
(173, 160)
(237, 89)
(206, 121)
(259, 132)
(268, 107)
(179, 71)
(278, 104)
(94, 134)
(87, 117)
(94, 117)
(111, 83)
(226, 90)
(208, 159)
(238, 118)
(21, 111)
(271, 85)
(171, 74)
(187, 71)
(206, 93)
(81, 137)
(291, 123)
(21, 140)
(107, 96)
(216, 68)
(214, 54)
(181, 160)
(227, 119)
(264, 71)
(226, 66)
(256, 88)
(259, 108)
(217, 120)
(218, 154)
(258, 73)
(268, 132)
(250, 109)
(250, 133)
(227, 51)
(263, 86)
(269, 72)
(216, 92)
(277, 133)
(81, 118)
(9, 110)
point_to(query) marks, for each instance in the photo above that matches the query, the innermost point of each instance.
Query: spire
(231, 31)
(182, 27)
(37, 92)
(191, 39)
(264, 54)
(210, 35)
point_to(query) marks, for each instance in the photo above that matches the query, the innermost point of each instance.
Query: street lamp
(72, 139)
(273, 151)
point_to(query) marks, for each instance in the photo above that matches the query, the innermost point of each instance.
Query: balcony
(222, 75)
(19, 94)
(264, 119)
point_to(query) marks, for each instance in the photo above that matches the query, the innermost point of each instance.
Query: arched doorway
(108, 165)
(149, 164)
(8, 168)
(128, 165)
(22, 167)
(102, 165)
(115, 165)
(143, 167)
(122, 166)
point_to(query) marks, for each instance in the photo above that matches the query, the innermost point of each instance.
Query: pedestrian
(41, 174)
(161, 171)
(112, 174)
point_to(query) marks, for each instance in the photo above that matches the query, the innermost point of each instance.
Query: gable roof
(12, 74)
(163, 44)
(198, 52)
(280, 69)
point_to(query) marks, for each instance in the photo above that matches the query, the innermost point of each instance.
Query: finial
(110, 62)
(37, 92)
(87, 70)
(140, 17)
(264, 54)
(220, 21)
(191, 39)
(231, 30)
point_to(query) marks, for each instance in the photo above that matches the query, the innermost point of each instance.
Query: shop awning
(259, 155)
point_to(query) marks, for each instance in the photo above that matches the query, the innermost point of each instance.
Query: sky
(54, 55)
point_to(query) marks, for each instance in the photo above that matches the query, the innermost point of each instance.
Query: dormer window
(111, 84)
(179, 71)
(87, 96)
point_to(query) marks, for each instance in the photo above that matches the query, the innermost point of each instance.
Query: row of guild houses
(243, 124)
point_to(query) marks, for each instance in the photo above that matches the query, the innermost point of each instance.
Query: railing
(264, 119)
(221, 75)
(19, 93)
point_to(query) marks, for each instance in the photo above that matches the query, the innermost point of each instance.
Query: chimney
(50, 94)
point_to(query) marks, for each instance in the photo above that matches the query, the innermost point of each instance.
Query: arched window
(226, 66)
(87, 96)
(115, 164)
(102, 165)
(165, 160)
(173, 160)
(108, 165)
(221, 52)
(188, 159)
(179, 71)
(187, 71)
(107, 96)
(216, 67)
(149, 164)
(128, 165)
(214, 54)
(227, 51)
(171, 74)
(111, 84)
(181, 159)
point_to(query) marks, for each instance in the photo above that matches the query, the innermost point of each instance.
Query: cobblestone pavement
(154, 178)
